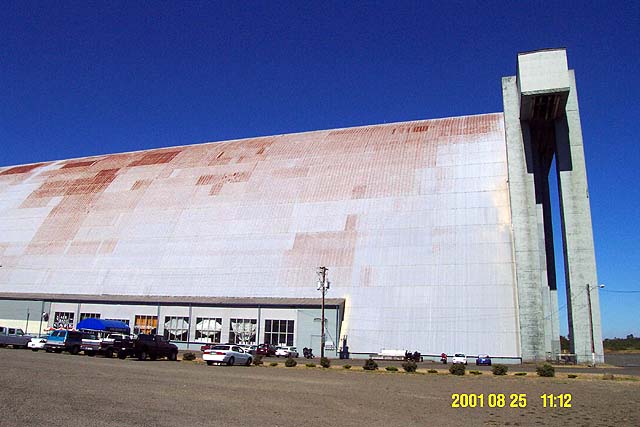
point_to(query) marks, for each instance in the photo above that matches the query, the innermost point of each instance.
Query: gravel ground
(60, 389)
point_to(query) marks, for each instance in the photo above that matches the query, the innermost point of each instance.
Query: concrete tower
(542, 120)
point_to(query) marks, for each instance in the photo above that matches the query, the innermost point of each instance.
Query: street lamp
(593, 347)
(323, 285)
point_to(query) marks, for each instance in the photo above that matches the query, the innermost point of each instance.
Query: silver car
(228, 354)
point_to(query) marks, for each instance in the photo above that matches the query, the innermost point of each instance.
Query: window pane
(145, 324)
(242, 331)
(281, 332)
(63, 319)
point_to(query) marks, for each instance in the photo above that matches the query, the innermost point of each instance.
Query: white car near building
(37, 343)
(459, 358)
(287, 352)
(227, 354)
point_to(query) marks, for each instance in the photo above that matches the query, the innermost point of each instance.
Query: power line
(622, 292)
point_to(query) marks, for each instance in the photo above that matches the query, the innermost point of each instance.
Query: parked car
(122, 345)
(63, 340)
(92, 344)
(287, 352)
(100, 335)
(483, 359)
(14, 337)
(154, 346)
(251, 349)
(266, 350)
(37, 343)
(207, 346)
(459, 358)
(229, 354)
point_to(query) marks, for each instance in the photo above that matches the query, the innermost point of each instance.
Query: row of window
(207, 329)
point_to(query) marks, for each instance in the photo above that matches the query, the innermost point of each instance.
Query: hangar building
(436, 234)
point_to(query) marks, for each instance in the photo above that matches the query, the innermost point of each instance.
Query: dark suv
(154, 346)
(266, 350)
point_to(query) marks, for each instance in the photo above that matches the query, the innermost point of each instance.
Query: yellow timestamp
(491, 400)
(556, 400)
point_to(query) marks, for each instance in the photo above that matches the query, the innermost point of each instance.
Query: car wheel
(142, 355)
(249, 360)
(122, 355)
(74, 350)
(209, 362)
(231, 361)
(108, 353)
(173, 356)
(153, 356)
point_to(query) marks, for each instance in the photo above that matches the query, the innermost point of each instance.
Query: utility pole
(323, 286)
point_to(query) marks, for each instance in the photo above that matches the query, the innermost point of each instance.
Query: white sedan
(37, 343)
(459, 358)
(228, 354)
(287, 352)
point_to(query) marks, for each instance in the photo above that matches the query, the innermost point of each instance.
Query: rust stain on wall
(351, 222)
(372, 162)
(218, 181)
(324, 248)
(107, 246)
(155, 158)
(422, 128)
(358, 192)
(95, 184)
(365, 276)
(206, 179)
(84, 163)
(34, 200)
(470, 125)
(21, 169)
(140, 184)
(293, 172)
(83, 247)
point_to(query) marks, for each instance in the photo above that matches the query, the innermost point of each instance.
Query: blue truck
(63, 340)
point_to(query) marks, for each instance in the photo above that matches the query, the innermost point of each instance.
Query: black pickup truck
(143, 347)
(121, 345)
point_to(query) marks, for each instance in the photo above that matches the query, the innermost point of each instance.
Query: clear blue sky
(85, 78)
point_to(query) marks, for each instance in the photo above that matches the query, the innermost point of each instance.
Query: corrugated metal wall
(412, 219)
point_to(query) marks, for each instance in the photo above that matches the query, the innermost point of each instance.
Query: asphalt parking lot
(61, 389)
